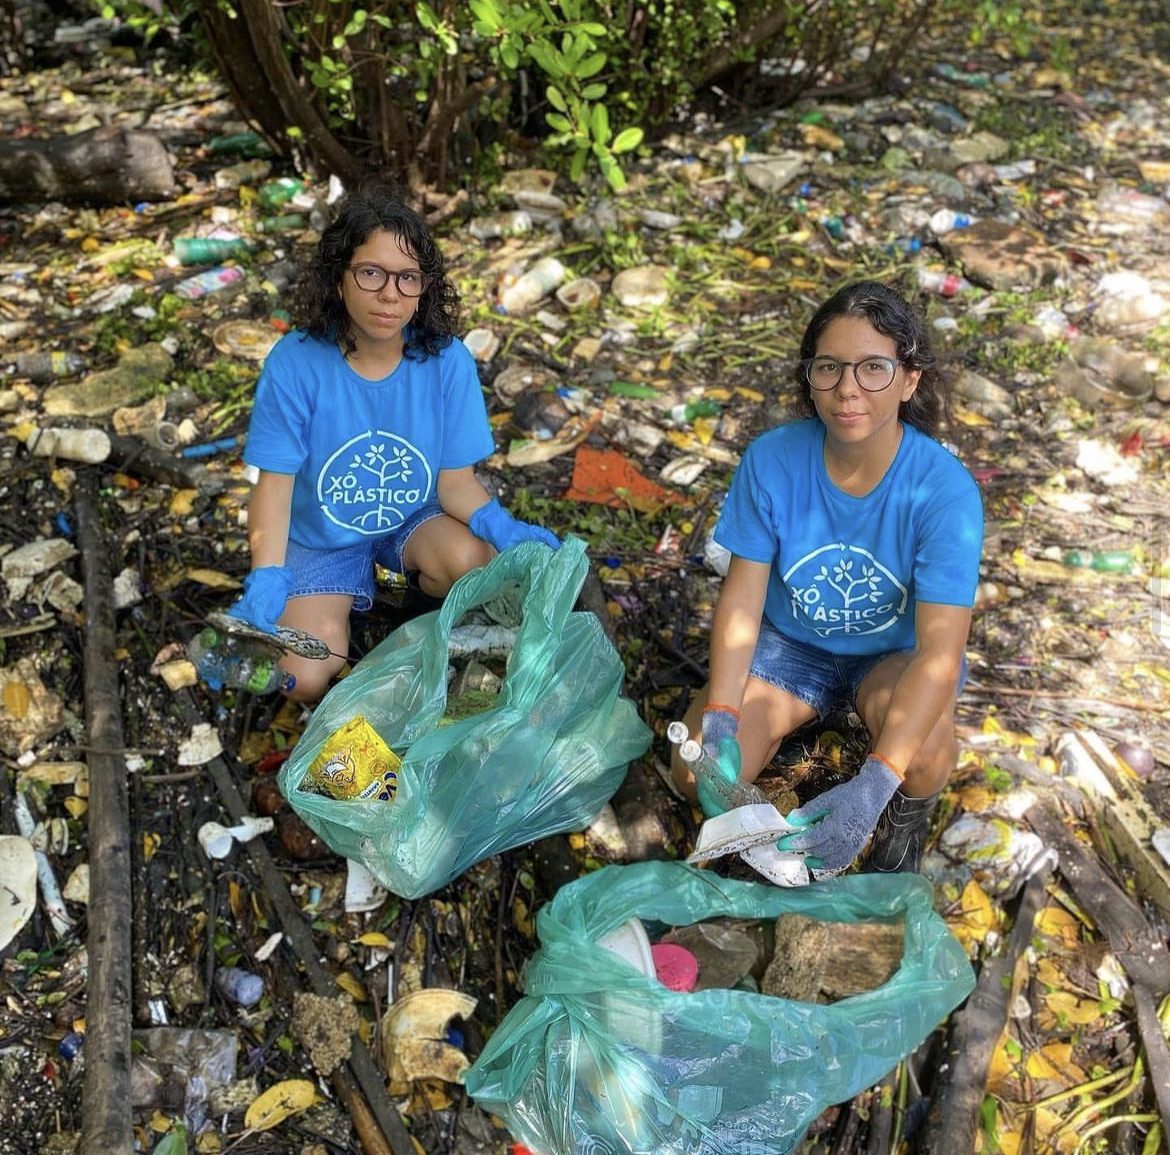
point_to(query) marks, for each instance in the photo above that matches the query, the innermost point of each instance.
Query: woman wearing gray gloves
(855, 539)
(366, 428)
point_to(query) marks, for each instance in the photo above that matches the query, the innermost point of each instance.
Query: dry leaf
(1059, 925)
(975, 916)
(373, 938)
(352, 987)
(279, 1103)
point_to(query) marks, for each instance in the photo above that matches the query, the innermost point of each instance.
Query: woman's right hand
(265, 596)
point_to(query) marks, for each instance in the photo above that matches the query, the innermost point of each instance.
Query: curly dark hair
(891, 315)
(372, 205)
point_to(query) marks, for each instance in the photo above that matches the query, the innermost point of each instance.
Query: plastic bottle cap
(676, 967)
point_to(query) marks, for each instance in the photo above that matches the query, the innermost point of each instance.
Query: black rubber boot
(900, 835)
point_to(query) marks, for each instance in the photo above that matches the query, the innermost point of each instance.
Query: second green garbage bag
(601, 1057)
(543, 758)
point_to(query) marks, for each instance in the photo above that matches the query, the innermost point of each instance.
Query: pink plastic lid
(676, 968)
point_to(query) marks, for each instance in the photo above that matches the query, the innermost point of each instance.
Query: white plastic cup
(217, 839)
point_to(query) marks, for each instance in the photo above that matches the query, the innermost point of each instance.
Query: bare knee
(456, 554)
(312, 677)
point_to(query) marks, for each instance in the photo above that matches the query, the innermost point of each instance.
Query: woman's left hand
(833, 827)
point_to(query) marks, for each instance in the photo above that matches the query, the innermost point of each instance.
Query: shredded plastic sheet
(542, 760)
(600, 1057)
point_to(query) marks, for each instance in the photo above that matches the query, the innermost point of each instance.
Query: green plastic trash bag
(599, 1056)
(542, 759)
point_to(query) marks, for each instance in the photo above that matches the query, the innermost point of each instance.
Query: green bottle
(686, 412)
(278, 192)
(631, 389)
(208, 250)
(1103, 561)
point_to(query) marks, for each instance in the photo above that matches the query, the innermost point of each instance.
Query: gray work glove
(833, 827)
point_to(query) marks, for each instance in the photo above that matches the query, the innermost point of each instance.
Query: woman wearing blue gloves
(367, 424)
(855, 539)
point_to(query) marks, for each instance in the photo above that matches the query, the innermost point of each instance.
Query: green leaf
(559, 122)
(174, 1142)
(590, 66)
(599, 124)
(593, 91)
(487, 13)
(510, 56)
(592, 29)
(556, 99)
(427, 16)
(627, 139)
(577, 165)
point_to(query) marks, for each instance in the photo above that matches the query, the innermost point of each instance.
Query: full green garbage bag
(542, 759)
(598, 1056)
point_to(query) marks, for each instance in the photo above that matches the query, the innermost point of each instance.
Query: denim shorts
(350, 569)
(822, 680)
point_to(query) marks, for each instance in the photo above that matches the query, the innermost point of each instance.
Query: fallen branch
(953, 1119)
(357, 1083)
(1148, 705)
(107, 1124)
(1139, 948)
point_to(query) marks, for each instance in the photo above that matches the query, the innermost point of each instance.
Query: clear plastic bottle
(89, 445)
(40, 368)
(546, 275)
(239, 662)
(945, 220)
(706, 770)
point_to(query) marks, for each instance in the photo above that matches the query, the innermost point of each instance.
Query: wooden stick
(107, 1126)
(1067, 696)
(953, 1119)
(359, 1085)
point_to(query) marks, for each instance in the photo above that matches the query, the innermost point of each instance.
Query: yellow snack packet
(354, 763)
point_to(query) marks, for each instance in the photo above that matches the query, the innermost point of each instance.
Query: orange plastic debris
(606, 477)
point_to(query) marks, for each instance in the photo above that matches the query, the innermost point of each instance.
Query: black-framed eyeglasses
(873, 374)
(374, 278)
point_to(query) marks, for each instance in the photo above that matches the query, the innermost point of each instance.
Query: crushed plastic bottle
(238, 662)
(947, 220)
(41, 368)
(944, 284)
(246, 172)
(493, 225)
(209, 281)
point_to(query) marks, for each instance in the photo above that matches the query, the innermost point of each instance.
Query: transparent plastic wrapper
(542, 758)
(598, 1056)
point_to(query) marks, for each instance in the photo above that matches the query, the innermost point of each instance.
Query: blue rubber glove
(833, 827)
(265, 595)
(719, 722)
(495, 525)
(727, 764)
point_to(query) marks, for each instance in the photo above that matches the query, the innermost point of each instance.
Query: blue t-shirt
(365, 454)
(847, 572)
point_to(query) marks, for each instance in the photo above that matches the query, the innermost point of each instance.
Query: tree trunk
(107, 166)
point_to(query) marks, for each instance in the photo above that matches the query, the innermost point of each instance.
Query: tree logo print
(844, 589)
(373, 482)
